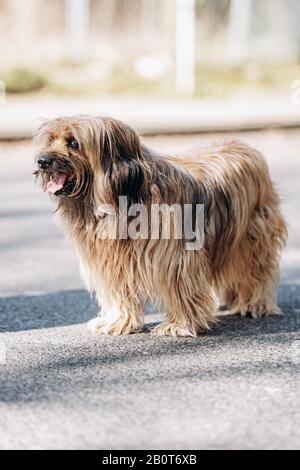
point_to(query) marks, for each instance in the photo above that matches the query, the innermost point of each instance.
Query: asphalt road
(62, 387)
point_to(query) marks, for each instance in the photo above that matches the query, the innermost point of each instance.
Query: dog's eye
(72, 143)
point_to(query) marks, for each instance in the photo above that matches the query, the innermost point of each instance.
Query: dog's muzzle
(60, 180)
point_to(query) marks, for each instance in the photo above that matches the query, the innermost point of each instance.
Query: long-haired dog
(87, 163)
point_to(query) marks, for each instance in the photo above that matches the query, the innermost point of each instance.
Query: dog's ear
(122, 161)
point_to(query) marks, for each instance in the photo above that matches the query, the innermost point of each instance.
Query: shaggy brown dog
(89, 162)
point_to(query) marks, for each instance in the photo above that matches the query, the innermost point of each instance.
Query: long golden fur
(244, 228)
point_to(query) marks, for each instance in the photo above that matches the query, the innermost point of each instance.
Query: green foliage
(22, 80)
(213, 81)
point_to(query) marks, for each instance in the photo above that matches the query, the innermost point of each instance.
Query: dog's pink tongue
(57, 184)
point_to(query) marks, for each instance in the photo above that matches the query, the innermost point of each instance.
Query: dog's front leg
(118, 317)
(190, 303)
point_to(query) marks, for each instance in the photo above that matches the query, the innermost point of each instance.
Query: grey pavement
(63, 387)
(19, 117)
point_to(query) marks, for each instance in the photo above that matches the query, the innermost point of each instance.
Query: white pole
(24, 18)
(238, 30)
(185, 46)
(77, 28)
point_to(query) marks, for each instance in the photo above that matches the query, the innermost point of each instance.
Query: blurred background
(181, 72)
(200, 48)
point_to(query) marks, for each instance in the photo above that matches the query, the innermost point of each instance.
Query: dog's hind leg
(252, 274)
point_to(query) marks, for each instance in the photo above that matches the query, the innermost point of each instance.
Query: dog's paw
(259, 311)
(172, 329)
(116, 328)
(255, 311)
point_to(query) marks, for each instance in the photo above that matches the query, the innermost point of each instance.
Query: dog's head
(90, 156)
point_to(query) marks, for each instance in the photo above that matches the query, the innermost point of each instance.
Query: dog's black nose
(44, 162)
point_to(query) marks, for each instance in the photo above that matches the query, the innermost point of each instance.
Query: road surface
(62, 387)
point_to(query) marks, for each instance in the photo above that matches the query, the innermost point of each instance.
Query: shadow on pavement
(45, 311)
(59, 363)
(24, 313)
